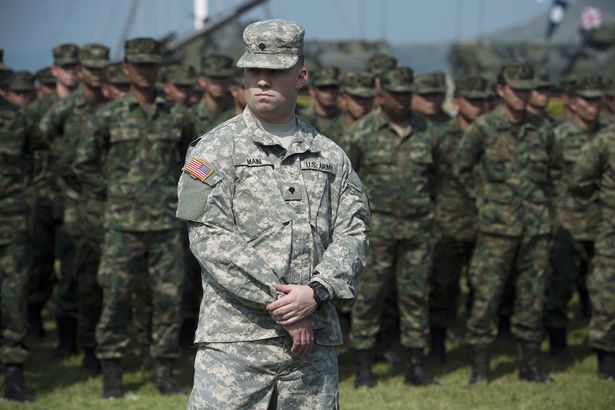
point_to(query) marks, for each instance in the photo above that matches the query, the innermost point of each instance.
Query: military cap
(329, 75)
(114, 74)
(142, 50)
(217, 65)
(472, 87)
(272, 44)
(378, 63)
(22, 81)
(43, 76)
(588, 86)
(518, 76)
(430, 83)
(566, 84)
(238, 77)
(360, 84)
(66, 54)
(94, 55)
(2, 66)
(179, 75)
(397, 79)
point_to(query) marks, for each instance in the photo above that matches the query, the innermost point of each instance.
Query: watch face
(322, 294)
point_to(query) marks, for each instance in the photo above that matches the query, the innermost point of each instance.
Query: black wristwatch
(321, 294)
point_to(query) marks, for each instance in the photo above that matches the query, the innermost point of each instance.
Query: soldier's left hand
(297, 303)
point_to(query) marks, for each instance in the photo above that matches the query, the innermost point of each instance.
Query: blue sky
(30, 28)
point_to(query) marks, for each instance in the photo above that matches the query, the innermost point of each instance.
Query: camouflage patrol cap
(143, 50)
(272, 44)
(360, 84)
(472, 87)
(94, 55)
(114, 74)
(43, 76)
(542, 79)
(66, 54)
(22, 81)
(329, 75)
(179, 75)
(518, 76)
(2, 66)
(217, 65)
(378, 63)
(588, 86)
(430, 83)
(398, 80)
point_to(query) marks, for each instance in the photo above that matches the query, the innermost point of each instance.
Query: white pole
(200, 13)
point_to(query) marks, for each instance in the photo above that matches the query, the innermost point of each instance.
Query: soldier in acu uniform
(213, 109)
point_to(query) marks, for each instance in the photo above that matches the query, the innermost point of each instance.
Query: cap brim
(94, 63)
(144, 59)
(361, 92)
(474, 95)
(267, 61)
(522, 85)
(590, 94)
(432, 90)
(398, 88)
(221, 74)
(66, 61)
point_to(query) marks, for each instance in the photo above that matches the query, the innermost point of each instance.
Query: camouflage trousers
(601, 286)
(15, 258)
(495, 259)
(153, 259)
(405, 263)
(263, 374)
(450, 258)
(68, 236)
(570, 262)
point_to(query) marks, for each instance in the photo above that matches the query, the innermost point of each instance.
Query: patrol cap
(142, 50)
(398, 80)
(43, 76)
(94, 55)
(114, 74)
(471, 87)
(518, 76)
(22, 81)
(360, 84)
(378, 63)
(217, 65)
(179, 75)
(430, 83)
(66, 54)
(2, 66)
(272, 44)
(542, 79)
(329, 75)
(588, 86)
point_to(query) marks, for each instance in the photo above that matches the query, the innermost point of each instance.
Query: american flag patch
(199, 169)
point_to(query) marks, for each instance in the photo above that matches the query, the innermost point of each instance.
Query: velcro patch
(198, 169)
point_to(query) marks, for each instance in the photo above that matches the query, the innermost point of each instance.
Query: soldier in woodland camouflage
(216, 71)
(513, 156)
(324, 89)
(428, 97)
(45, 82)
(22, 90)
(277, 219)
(179, 83)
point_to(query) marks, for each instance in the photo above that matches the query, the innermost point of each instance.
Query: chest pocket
(167, 134)
(499, 156)
(318, 176)
(538, 165)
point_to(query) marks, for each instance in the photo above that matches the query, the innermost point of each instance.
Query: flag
(557, 12)
(591, 18)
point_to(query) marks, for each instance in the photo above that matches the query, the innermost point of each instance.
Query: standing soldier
(216, 71)
(21, 89)
(512, 155)
(45, 82)
(428, 97)
(116, 83)
(179, 82)
(576, 219)
(392, 153)
(138, 141)
(324, 87)
(378, 64)
(541, 95)
(455, 214)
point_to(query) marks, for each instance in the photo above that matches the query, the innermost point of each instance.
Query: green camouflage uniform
(257, 214)
(432, 83)
(322, 77)
(514, 224)
(395, 172)
(44, 76)
(131, 158)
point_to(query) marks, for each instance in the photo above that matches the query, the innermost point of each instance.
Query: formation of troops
(517, 203)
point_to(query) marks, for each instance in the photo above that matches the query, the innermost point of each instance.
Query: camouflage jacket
(594, 173)
(335, 132)
(134, 160)
(40, 157)
(205, 120)
(396, 172)
(259, 214)
(515, 165)
(14, 166)
(579, 216)
(308, 115)
(455, 211)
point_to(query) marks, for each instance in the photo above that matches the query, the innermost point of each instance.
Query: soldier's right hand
(302, 334)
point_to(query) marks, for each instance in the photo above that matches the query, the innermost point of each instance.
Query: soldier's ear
(499, 88)
(302, 77)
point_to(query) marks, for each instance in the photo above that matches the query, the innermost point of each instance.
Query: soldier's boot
(480, 364)
(36, 329)
(558, 343)
(529, 363)
(437, 351)
(606, 365)
(146, 360)
(163, 377)
(67, 335)
(90, 364)
(416, 373)
(365, 360)
(14, 384)
(113, 386)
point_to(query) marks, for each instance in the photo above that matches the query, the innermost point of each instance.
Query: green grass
(62, 386)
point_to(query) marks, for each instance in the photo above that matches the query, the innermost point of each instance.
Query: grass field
(61, 385)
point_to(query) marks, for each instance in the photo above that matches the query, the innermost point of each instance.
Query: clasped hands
(292, 311)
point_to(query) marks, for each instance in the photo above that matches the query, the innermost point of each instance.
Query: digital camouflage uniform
(257, 214)
(322, 77)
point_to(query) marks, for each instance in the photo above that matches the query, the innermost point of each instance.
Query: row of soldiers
(447, 196)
